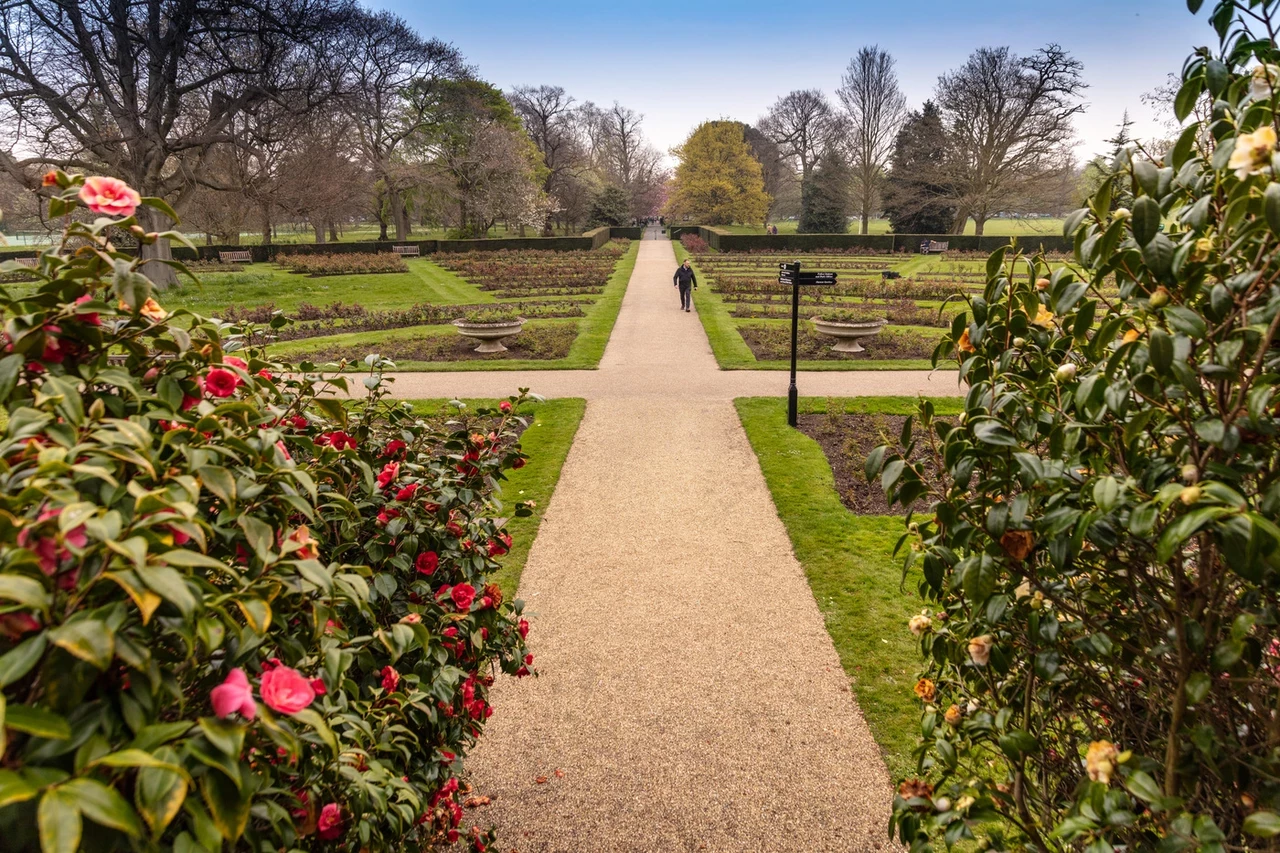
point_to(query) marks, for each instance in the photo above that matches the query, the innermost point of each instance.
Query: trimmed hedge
(593, 239)
(724, 241)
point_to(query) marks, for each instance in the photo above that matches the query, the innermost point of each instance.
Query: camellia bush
(1096, 535)
(237, 612)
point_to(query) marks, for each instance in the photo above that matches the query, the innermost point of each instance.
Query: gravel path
(690, 697)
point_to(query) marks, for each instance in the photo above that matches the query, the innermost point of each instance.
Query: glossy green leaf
(88, 639)
(40, 722)
(59, 822)
(103, 805)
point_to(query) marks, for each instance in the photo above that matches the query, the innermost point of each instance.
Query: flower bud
(1190, 495)
(1019, 342)
(1190, 473)
(1121, 213)
(942, 804)
(1065, 372)
(1159, 298)
(1042, 284)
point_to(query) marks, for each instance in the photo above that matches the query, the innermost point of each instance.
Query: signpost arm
(792, 394)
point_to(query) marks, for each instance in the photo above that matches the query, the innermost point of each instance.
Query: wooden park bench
(242, 257)
(407, 251)
(932, 247)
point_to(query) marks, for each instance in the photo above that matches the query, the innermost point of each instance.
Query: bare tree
(549, 119)
(146, 89)
(628, 159)
(875, 108)
(801, 124)
(1010, 126)
(395, 77)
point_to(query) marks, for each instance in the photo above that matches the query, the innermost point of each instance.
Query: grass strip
(848, 560)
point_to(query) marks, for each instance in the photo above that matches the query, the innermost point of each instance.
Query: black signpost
(790, 274)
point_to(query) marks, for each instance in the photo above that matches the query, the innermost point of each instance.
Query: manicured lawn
(994, 227)
(552, 427)
(848, 559)
(584, 354)
(263, 284)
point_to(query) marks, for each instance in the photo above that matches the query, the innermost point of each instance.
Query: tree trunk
(962, 219)
(979, 223)
(266, 224)
(333, 232)
(397, 214)
(318, 227)
(866, 220)
(161, 275)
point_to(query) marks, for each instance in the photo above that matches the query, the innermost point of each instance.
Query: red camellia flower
(519, 463)
(528, 659)
(91, 318)
(285, 690)
(523, 628)
(189, 402)
(50, 179)
(220, 383)
(389, 473)
(111, 196)
(15, 625)
(394, 447)
(407, 493)
(450, 632)
(500, 547)
(455, 529)
(47, 549)
(329, 824)
(463, 594)
(505, 406)
(390, 679)
(337, 439)
(427, 562)
(317, 684)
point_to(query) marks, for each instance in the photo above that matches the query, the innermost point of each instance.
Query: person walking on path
(685, 280)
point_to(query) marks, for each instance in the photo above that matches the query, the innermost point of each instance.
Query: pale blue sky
(681, 63)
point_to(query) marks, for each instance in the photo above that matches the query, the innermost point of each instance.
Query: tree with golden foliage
(718, 182)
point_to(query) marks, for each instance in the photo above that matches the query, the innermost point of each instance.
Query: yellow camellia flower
(925, 689)
(980, 649)
(1131, 336)
(919, 624)
(150, 309)
(1200, 251)
(1099, 761)
(953, 715)
(1044, 317)
(1252, 154)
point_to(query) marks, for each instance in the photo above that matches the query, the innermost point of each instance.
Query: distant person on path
(685, 280)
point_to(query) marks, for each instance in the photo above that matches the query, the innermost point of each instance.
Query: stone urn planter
(849, 332)
(490, 335)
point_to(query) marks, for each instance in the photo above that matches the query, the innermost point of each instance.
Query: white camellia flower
(1252, 154)
(1262, 82)
(980, 649)
(919, 624)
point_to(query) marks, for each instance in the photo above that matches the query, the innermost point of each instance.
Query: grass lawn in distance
(264, 284)
(848, 560)
(994, 227)
(584, 354)
(552, 427)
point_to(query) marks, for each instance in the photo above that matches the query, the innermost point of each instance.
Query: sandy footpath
(689, 697)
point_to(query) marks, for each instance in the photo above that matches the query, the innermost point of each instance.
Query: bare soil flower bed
(538, 344)
(346, 263)
(530, 272)
(770, 343)
(900, 312)
(314, 321)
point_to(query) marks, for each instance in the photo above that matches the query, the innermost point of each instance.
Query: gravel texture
(689, 696)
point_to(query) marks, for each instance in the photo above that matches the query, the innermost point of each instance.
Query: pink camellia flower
(307, 549)
(406, 494)
(47, 549)
(317, 684)
(505, 406)
(235, 362)
(220, 383)
(329, 825)
(233, 695)
(411, 619)
(390, 679)
(15, 625)
(388, 474)
(463, 594)
(111, 196)
(285, 690)
(427, 562)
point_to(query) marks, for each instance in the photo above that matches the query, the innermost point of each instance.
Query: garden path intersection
(689, 697)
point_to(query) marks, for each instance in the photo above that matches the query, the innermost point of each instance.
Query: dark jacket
(684, 276)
